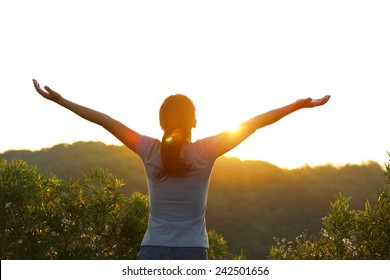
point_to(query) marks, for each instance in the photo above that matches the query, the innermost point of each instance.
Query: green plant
(43, 217)
(346, 233)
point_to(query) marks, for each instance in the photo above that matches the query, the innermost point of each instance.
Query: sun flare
(235, 128)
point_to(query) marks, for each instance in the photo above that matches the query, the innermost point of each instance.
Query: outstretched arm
(127, 136)
(228, 140)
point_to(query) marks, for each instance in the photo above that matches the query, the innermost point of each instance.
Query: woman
(178, 170)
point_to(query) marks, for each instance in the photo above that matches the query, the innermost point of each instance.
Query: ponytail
(177, 117)
(171, 145)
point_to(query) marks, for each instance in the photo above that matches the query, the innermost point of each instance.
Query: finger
(321, 101)
(36, 84)
(38, 87)
(51, 91)
(306, 100)
(325, 99)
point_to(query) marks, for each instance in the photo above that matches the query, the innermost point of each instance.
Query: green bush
(346, 233)
(43, 217)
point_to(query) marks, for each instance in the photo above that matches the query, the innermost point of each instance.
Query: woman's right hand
(49, 94)
(310, 103)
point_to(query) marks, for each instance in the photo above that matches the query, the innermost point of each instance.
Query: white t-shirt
(178, 204)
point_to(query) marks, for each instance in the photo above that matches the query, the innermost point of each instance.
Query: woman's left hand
(49, 94)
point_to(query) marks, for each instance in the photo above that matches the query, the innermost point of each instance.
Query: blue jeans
(172, 253)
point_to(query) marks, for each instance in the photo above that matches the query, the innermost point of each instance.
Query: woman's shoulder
(205, 147)
(147, 145)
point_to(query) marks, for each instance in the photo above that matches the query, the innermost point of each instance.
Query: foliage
(44, 217)
(347, 234)
(219, 248)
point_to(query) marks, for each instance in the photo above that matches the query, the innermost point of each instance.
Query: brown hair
(177, 118)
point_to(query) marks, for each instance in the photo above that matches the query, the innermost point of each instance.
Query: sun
(234, 128)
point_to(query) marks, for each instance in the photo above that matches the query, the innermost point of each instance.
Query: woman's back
(177, 204)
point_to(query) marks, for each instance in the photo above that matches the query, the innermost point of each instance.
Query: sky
(234, 59)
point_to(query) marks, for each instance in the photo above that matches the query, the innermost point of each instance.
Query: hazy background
(235, 59)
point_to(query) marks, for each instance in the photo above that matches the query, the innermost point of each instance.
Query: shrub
(346, 233)
(43, 217)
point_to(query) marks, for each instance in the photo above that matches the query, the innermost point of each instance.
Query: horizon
(304, 165)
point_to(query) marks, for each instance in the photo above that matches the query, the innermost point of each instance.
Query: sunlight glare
(234, 128)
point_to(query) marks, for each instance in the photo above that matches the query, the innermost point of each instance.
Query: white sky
(235, 59)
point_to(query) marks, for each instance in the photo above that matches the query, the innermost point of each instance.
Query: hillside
(250, 202)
